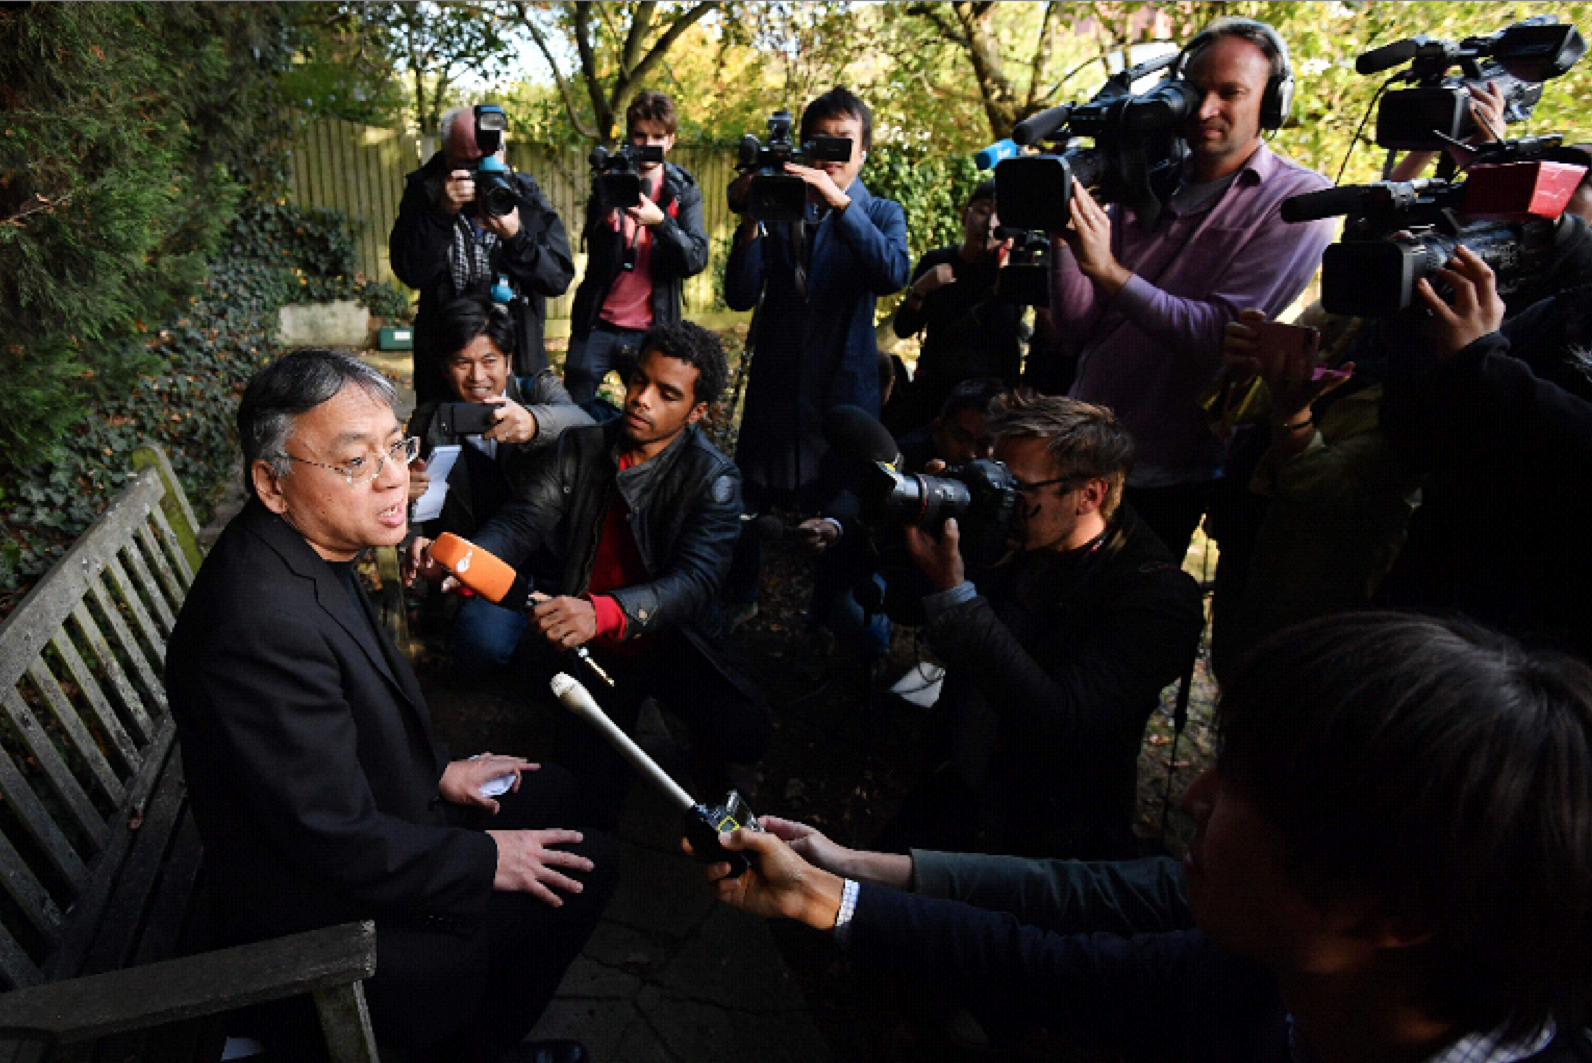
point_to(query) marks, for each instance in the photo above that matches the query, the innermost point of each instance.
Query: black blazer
(308, 750)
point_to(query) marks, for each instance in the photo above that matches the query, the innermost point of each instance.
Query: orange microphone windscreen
(487, 575)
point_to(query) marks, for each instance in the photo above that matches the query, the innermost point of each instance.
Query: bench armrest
(81, 1009)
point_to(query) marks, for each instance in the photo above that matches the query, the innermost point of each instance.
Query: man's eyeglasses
(1033, 488)
(363, 470)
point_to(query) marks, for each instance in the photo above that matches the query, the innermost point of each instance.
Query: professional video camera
(1400, 231)
(775, 195)
(494, 187)
(1505, 211)
(1436, 113)
(1137, 158)
(1025, 278)
(616, 175)
(981, 495)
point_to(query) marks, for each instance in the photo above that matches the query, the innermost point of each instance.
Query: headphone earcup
(1279, 99)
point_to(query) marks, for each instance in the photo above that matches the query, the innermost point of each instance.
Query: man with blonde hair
(1056, 659)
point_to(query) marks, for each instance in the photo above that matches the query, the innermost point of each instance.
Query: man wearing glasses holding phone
(1056, 659)
(319, 789)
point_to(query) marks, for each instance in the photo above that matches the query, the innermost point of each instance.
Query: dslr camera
(1136, 159)
(495, 194)
(616, 175)
(775, 195)
(1436, 112)
(981, 495)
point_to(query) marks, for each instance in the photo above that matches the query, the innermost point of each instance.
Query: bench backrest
(84, 727)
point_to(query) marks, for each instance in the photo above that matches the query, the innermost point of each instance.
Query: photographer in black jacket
(1056, 659)
(639, 258)
(445, 246)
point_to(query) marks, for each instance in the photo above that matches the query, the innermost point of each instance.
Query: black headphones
(1278, 98)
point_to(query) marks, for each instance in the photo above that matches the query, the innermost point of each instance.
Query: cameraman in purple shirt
(1145, 309)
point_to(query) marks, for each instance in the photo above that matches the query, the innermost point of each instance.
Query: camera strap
(470, 254)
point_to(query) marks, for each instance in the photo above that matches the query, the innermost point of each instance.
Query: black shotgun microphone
(852, 431)
(1388, 56)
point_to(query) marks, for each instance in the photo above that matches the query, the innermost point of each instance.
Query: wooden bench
(101, 907)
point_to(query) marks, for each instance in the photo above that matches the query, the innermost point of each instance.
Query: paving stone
(664, 893)
(733, 957)
(602, 1026)
(704, 1032)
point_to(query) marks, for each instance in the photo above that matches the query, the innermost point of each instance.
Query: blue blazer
(817, 352)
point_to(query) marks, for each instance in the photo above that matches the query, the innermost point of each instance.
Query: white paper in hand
(429, 505)
(500, 785)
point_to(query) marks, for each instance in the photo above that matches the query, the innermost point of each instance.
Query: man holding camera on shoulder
(1146, 308)
(466, 223)
(1056, 660)
(816, 279)
(641, 254)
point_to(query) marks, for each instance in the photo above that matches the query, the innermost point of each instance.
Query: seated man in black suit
(1392, 861)
(319, 790)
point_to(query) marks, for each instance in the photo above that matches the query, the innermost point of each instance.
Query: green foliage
(193, 368)
(320, 246)
(932, 186)
(125, 132)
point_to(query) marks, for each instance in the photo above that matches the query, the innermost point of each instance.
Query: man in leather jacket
(643, 514)
(1056, 659)
(640, 256)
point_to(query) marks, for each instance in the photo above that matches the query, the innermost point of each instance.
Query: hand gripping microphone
(495, 580)
(703, 823)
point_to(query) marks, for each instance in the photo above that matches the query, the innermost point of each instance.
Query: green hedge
(126, 134)
(195, 363)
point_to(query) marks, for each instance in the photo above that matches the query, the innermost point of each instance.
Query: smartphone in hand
(466, 418)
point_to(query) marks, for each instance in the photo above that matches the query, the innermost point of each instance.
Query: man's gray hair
(294, 384)
(445, 125)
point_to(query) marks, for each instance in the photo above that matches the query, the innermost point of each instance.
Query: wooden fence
(360, 170)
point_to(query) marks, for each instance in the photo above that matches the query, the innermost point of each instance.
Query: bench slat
(84, 744)
(156, 559)
(152, 691)
(39, 908)
(55, 770)
(89, 913)
(176, 899)
(46, 607)
(154, 641)
(40, 825)
(154, 596)
(126, 751)
(174, 551)
(121, 686)
(83, 1009)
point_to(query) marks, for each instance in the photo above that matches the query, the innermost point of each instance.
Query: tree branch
(1042, 51)
(39, 204)
(672, 34)
(947, 31)
(564, 90)
(588, 68)
(640, 23)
